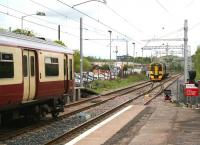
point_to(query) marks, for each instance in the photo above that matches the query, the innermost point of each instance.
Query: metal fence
(177, 94)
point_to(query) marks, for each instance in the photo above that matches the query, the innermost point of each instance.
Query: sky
(131, 21)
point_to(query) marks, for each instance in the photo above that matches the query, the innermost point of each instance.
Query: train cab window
(25, 68)
(160, 68)
(70, 69)
(152, 67)
(6, 65)
(32, 66)
(51, 66)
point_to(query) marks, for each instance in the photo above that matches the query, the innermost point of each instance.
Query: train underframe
(35, 110)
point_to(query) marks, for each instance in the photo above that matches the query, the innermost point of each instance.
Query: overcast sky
(133, 20)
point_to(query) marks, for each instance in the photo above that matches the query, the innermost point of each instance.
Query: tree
(196, 62)
(125, 68)
(23, 32)
(3, 30)
(86, 64)
(59, 42)
(105, 67)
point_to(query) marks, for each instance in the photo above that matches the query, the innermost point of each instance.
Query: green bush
(104, 85)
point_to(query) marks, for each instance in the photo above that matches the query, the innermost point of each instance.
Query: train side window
(6, 65)
(51, 66)
(25, 69)
(70, 69)
(32, 66)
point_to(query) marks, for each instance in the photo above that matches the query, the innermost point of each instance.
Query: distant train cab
(157, 71)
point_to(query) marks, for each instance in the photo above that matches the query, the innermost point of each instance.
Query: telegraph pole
(185, 51)
(81, 52)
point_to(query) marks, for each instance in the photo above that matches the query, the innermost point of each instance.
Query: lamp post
(127, 52)
(110, 32)
(38, 14)
(116, 51)
(133, 52)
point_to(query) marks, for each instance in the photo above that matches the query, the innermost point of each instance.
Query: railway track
(107, 113)
(74, 108)
(86, 106)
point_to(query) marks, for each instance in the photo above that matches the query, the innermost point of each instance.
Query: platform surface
(106, 129)
(170, 125)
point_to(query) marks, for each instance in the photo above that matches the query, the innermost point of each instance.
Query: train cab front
(156, 73)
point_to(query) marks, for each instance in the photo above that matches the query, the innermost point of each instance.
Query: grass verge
(100, 86)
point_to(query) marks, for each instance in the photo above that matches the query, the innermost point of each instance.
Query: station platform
(170, 125)
(164, 124)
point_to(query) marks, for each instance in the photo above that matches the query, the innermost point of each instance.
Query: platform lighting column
(133, 49)
(133, 52)
(110, 32)
(127, 52)
(38, 14)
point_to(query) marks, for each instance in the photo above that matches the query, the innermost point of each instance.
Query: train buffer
(167, 94)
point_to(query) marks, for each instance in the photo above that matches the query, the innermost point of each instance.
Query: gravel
(48, 132)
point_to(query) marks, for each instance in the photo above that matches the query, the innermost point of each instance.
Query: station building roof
(12, 39)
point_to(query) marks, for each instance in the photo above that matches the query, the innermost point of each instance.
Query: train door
(70, 77)
(29, 75)
(65, 72)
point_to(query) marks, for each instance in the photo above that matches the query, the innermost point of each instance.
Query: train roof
(12, 39)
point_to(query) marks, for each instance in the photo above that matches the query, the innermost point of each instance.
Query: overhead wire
(61, 14)
(194, 26)
(162, 6)
(46, 20)
(56, 23)
(96, 20)
(39, 24)
(77, 37)
(189, 4)
(27, 14)
(111, 9)
(172, 32)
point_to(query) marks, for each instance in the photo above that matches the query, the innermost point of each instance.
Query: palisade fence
(177, 91)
